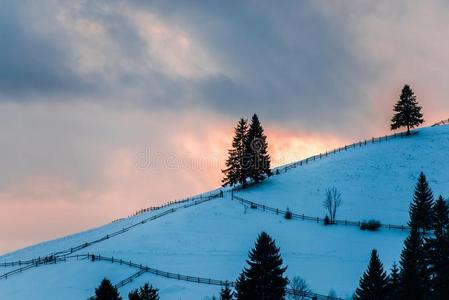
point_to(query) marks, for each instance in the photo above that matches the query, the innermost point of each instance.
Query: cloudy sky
(110, 106)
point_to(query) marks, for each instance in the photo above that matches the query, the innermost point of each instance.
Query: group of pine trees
(423, 272)
(249, 156)
(106, 291)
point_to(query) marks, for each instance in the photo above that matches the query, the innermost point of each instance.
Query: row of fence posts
(278, 211)
(326, 153)
(107, 236)
(187, 278)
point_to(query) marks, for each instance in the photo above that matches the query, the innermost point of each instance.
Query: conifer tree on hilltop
(374, 282)
(438, 247)
(235, 172)
(421, 207)
(263, 278)
(257, 159)
(106, 291)
(407, 111)
(249, 155)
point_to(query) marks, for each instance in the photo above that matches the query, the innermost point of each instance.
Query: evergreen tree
(256, 156)
(235, 172)
(407, 111)
(241, 288)
(438, 246)
(394, 284)
(147, 292)
(134, 295)
(414, 278)
(374, 282)
(226, 293)
(421, 207)
(263, 278)
(106, 291)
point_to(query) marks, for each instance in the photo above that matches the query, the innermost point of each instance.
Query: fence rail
(285, 168)
(69, 251)
(303, 217)
(442, 122)
(194, 279)
(146, 269)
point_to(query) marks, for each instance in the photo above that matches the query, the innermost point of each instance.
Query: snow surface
(212, 239)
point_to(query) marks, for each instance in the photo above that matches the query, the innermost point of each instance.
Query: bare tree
(332, 202)
(301, 289)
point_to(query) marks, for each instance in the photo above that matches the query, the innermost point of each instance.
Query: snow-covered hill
(212, 239)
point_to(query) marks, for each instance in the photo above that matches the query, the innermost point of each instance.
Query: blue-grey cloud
(294, 63)
(288, 61)
(32, 62)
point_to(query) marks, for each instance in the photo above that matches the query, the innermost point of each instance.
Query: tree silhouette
(414, 279)
(106, 291)
(421, 206)
(374, 282)
(226, 293)
(235, 171)
(407, 111)
(438, 247)
(263, 278)
(256, 159)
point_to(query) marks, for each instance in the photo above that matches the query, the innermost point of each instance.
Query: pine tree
(257, 158)
(414, 279)
(407, 111)
(394, 284)
(263, 278)
(134, 295)
(421, 207)
(374, 282)
(147, 292)
(226, 293)
(106, 291)
(438, 246)
(241, 288)
(235, 172)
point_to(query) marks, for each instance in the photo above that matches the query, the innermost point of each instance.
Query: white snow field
(212, 239)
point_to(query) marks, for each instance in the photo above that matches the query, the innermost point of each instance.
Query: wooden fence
(285, 168)
(194, 279)
(193, 202)
(146, 269)
(442, 122)
(303, 217)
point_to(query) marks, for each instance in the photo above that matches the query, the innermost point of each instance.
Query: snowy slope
(212, 239)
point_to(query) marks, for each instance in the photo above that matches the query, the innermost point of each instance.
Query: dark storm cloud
(289, 60)
(293, 64)
(31, 62)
